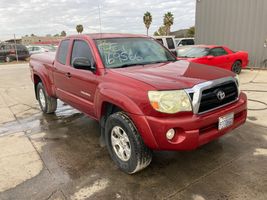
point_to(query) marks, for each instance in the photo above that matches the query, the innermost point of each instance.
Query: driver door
(82, 82)
(220, 59)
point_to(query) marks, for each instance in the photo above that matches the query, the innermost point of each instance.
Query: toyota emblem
(220, 95)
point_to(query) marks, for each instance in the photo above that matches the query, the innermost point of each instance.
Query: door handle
(68, 75)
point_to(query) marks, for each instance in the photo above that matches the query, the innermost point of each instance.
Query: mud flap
(102, 142)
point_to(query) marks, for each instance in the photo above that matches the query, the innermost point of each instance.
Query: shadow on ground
(76, 167)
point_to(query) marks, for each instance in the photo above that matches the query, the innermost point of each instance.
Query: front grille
(209, 99)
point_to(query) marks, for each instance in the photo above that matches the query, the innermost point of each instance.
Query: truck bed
(45, 58)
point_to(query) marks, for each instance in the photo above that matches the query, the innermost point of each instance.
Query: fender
(116, 98)
(129, 106)
(46, 82)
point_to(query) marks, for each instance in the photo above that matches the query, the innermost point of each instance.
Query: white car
(168, 42)
(184, 41)
(40, 49)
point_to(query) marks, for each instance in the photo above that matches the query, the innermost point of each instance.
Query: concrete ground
(59, 157)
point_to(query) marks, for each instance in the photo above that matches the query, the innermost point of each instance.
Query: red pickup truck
(143, 97)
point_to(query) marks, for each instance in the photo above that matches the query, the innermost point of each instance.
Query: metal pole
(16, 48)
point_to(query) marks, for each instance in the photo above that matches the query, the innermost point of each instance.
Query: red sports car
(219, 56)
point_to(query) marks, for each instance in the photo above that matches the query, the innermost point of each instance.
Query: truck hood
(173, 75)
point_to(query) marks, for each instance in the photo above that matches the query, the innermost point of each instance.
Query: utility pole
(16, 48)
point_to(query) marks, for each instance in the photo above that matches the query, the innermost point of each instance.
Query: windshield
(177, 41)
(124, 52)
(192, 52)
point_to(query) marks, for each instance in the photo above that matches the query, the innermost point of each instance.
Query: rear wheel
(237, 67)
(125, 144)
(47, 104)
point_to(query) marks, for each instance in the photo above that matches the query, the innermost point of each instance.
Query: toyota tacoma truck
(143, 97)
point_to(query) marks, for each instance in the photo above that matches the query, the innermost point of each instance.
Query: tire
(47, 104)
(237, 67)
(140, 155)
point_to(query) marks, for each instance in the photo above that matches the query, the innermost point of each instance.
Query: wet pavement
(59, 156)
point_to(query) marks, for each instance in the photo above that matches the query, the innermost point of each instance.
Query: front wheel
(125, 144)
(237, 67)
(48, 104)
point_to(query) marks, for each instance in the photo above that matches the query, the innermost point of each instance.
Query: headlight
(170, 101)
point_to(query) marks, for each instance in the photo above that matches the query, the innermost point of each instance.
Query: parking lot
(59, 157)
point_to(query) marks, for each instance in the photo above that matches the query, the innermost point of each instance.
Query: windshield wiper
(185, 57)
(127, 65)
(142, 64)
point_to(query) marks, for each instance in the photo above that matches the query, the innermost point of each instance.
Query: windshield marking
(124, 52)
(113, 51)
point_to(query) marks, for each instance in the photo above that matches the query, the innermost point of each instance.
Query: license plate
(226, 121)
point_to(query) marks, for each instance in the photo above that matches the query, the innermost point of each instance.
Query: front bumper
(191, 130)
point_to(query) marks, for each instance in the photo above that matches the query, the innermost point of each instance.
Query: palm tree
(168, 21)
(63, 33)
(191, 32)
(161, 31)
(79, 28)
(147, 19)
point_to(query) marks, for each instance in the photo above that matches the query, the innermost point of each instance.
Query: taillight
(12, 51)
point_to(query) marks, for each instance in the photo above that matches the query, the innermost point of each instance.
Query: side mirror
(210, 57)
(82, 63)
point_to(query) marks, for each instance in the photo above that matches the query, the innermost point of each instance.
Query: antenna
(99, 15)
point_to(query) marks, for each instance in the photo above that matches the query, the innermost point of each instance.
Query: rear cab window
(160, 41)
(63, 52)
(170, 43)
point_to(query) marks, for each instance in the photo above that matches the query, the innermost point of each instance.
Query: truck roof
(108, 35)
(200, 45)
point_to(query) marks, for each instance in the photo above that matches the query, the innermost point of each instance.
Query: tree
(168, 22)
(32, 35)
(147, 19)
(79, 28)
(56, 35)
(161, 31)
(191, 32)
(63, 33)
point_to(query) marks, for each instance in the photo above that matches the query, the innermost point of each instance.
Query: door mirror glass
(82, 63)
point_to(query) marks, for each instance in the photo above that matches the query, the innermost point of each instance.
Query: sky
(42, 17)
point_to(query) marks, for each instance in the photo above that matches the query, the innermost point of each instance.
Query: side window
(63, 51)
(81, 50)
(170, 43)
(218, 51)
(160, 41)
(189, 42)
(7, 47)
(19, 47)
(183, 42)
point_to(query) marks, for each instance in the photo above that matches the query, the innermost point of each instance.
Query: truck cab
(168, 42)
